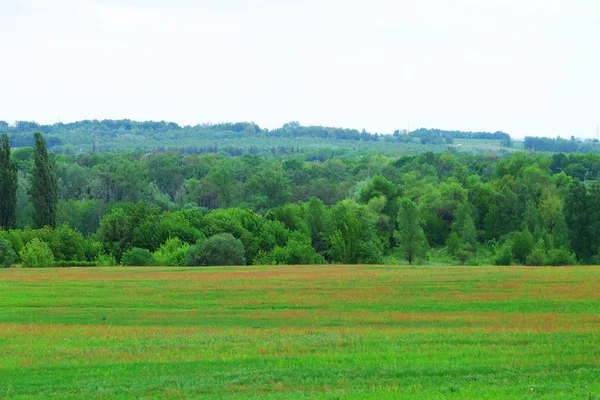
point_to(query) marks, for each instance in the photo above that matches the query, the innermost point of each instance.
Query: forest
(229, 138)
(326, 205)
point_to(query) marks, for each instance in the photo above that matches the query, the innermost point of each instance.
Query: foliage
(347, 200)
(36, 254)
(503, 254)
(173, 252)
(218, 250)
(106, 260)
(8, 257)
(44, 186)
(8, 186)
(137, 257)
(410, 236)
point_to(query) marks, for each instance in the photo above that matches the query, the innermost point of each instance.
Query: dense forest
(169, 208)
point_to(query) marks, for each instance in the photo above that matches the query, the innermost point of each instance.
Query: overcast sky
(526, 67)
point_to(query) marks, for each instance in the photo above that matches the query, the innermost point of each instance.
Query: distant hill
(234, 138)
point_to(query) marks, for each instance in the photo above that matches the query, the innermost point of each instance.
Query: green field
(318, 332)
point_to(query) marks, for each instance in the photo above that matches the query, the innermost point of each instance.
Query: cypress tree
(44, 186)
(8, 186)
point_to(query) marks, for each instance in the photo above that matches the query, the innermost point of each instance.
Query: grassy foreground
(314, 332)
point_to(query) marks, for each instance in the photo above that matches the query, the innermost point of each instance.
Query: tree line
(166, 208)
(112, 135)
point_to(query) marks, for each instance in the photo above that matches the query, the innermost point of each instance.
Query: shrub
(137, 257)
(558, 257)
(221, 250)
(106, 260)
(298, 250)
(7, 255)
(502, 254)
(173, 253)
(522, 245)
(36, 254)
(538, 255)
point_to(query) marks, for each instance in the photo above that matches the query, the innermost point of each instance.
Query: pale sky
(526, 67)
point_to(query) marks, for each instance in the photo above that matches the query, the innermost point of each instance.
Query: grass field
(319, 332)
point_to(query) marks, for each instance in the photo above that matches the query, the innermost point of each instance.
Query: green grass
(312, 332)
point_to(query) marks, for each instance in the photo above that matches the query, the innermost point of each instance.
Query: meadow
(313, 332)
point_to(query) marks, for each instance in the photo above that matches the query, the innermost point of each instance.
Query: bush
(7, 255)
(106, 260)
(218, 250)
(297, 251)
(137, 257)
(537, 257)
(173, 253)
(502, 254)
(559, 257)
(522, 245)
(36, 254)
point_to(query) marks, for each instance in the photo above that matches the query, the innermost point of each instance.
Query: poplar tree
(410, 236)
(44, 186)
(8, 186)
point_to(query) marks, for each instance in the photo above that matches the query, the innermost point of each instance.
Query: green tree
(352, 234)
(218, 250)
(463, 224)
(560, 233)
(316, 215)
(137, 257)
(36, 254)
(7, 255)
(222, 178)
(345, 243)
(8, 186)
(522, 245)
(409, 235)
(577, 209)
(44, 186)
(173, 253)
(297, 251)
(268, 187)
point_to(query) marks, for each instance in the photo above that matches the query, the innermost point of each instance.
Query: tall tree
(577, 208)
(410, 236)
(8, 186)
(44, 186)
(463, 224)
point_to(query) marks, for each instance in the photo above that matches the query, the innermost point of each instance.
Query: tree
(44, 186)
(7, 255)
(345, 243)
(222, 178)
(577, 208)
(409, 235)
(173, 253)
(522, 245)
(137, 257)
(297, 251)
(8, 186)
(218, 250)
(463, 224)
(316, 215)
(352, 234)
(36, 254)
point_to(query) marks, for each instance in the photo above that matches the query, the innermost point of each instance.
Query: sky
(526, 67)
